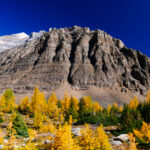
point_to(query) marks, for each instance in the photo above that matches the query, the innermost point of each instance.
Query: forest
(38, 123)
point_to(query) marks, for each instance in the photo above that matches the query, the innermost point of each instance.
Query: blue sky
(128, 20)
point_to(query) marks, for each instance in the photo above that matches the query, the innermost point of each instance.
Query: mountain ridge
(78, 56)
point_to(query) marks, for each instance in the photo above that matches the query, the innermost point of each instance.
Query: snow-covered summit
(20, 35)
(13, 40)
(10, 41)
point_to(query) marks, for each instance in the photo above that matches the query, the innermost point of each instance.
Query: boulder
(123, 137)
(117, 143)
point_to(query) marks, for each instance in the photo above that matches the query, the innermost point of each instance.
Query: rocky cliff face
(78, 56)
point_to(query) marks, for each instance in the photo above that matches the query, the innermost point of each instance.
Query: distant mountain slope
(79, 57)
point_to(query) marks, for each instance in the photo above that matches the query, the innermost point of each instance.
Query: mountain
(10, 41)
(77, 60)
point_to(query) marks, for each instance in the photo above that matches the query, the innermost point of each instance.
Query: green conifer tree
(20, 126)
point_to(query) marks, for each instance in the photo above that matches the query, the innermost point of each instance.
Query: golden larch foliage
(144, 133)
(148, 96)
(52, 108)
(96, 107)
(38, 102)
(100, 108)
(30, 145)
(38, 119)
(86, 139)
(12, 138)
(75, 102)
(133, 103)
(24, 105)
(63, 139)
(32, 134)
(132, 144)
(109, 109)
(120, 109)
(115, 105)
(87, 103)
(1, 137)
(94, 140)
(65, 103)
(7, 101)
(101, 140)
(48, 128)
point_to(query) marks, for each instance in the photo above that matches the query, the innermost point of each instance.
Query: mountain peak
(13, 40)
(20, 35)
(82, 58)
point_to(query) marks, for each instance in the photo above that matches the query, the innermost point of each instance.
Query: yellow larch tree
(32, 134)
(133, 103)
(53, 98)
(101, 140)
(65, 103)
(52, 109)
(48, 128)
(96, 107)
(1, 137)
(73, 109)
(100, 108)
(7, 101)
(93, 140)
(115, 105)
(86, 139)
(86, 101)
(24, 105)
(120, 109)
(34, 99)
(38, 120)
(75, 102)
(38, 102)
(109, 109)
(144, 133)
(2, 103)
(61, 118)
(12, 137)
(64, 140)
(30, 145)
(148, 96)
(132, 144)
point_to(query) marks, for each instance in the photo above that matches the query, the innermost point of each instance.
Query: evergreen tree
(130, 119)
(20, 126)
(144, 109)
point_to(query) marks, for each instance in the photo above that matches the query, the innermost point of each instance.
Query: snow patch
(13, 40)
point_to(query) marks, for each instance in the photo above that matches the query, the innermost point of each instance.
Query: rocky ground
(117, 142)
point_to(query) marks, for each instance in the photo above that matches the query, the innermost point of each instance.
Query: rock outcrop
(78, 56)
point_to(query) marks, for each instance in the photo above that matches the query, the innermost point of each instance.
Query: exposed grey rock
(76, 55)
(36, 35)
(76, 131)
(47, 142)
(1, 146)
(26, 139)
(123, 137)
(117, 143)
(5, 141)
